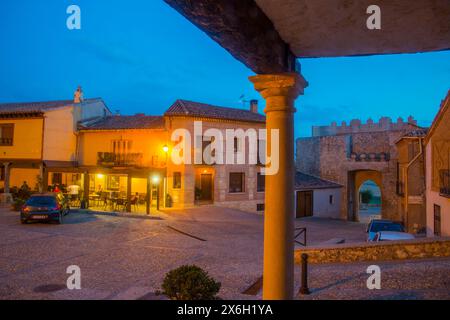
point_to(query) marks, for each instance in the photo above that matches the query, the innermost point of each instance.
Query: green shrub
(190, 283)
(18, 203)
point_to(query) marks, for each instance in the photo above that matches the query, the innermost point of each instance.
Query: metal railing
(6, 141)
(300, 232)
(117, 159)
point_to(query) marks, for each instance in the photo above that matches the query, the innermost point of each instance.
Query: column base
(6, 198)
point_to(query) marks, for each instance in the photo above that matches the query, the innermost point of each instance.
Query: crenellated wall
(356, 126)
(343, 153)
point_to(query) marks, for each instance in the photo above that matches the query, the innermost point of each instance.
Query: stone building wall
(349, 155)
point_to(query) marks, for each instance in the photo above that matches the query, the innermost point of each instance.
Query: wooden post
(86, 190)
(129, 179)
(148, 198)
(7, 174)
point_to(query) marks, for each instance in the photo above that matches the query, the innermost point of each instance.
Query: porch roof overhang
(268, 35)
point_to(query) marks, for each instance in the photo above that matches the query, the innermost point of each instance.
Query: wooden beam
(243, 29)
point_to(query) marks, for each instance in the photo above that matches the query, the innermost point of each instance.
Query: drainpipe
(406, 180)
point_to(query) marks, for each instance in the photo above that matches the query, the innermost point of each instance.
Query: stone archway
(356, 179)
(368, 206)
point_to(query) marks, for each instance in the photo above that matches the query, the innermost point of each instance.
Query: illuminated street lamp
(166, 151)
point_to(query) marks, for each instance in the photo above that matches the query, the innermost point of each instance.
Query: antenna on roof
(243, 100)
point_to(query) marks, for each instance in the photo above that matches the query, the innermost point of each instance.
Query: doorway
(206, 187)
(369, 202)
(304, 206)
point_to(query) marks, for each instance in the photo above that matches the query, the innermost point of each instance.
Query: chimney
(254, 106)
(78, 95)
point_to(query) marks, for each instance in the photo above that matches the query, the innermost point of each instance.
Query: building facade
(38, 138)
(81, 143)
(316, 197)
(437, 155)
(352, 154)
(410, 186)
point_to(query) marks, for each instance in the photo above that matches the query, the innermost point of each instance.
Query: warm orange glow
(100, 176)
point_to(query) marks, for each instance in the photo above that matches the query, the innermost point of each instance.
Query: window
(6, 134)
(207, 157)
(331, 200)
(260, 207)
(177, 180)
(112, 183)
(154, 161)
(57, 178)
(236, 144)
(261, 148)
(437, 220)
(261, 182)
(236, 182)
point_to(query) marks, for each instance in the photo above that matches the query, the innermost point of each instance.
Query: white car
(392, 236)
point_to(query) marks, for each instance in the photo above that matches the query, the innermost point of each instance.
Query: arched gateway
(351, 154)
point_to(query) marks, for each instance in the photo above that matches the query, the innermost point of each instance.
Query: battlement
(356, 126)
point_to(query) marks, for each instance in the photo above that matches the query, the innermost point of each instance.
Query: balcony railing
(444, 183)
(110, 159)
(6, 141)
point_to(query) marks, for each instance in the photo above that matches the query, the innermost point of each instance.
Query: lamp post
(166, 187)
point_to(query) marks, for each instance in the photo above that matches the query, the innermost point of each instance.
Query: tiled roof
(125, 122)
(25, 107)
(202, 110)
(417, 133)
(305, 181)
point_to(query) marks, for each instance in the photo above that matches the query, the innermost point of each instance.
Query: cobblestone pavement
(418, 279)
(127, 258)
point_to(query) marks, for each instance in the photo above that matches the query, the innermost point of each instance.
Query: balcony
(110, 159)
(6, 141)
(444, 183)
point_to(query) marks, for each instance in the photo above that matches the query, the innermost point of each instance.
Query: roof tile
(202, 110)
(119, 122)
(305, 181)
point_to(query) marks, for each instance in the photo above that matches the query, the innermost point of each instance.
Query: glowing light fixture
(155, 179)
(166, 149)
(100, 176)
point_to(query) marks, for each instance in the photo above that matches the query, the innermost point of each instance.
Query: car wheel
(23, 221)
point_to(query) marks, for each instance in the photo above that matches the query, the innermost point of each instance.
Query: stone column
(280, 92)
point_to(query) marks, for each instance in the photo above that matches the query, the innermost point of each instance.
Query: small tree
(190, 283)
(366, 196)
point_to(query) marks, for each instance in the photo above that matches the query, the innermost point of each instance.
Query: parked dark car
(44, 207)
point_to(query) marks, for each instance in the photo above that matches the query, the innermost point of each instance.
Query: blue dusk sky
(140, 56)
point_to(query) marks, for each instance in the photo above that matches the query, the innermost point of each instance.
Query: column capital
(280, 90)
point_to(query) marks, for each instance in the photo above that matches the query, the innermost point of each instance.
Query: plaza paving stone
(126, 258)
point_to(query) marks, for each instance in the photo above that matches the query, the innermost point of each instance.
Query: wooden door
(206, 186)
(304, 204)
